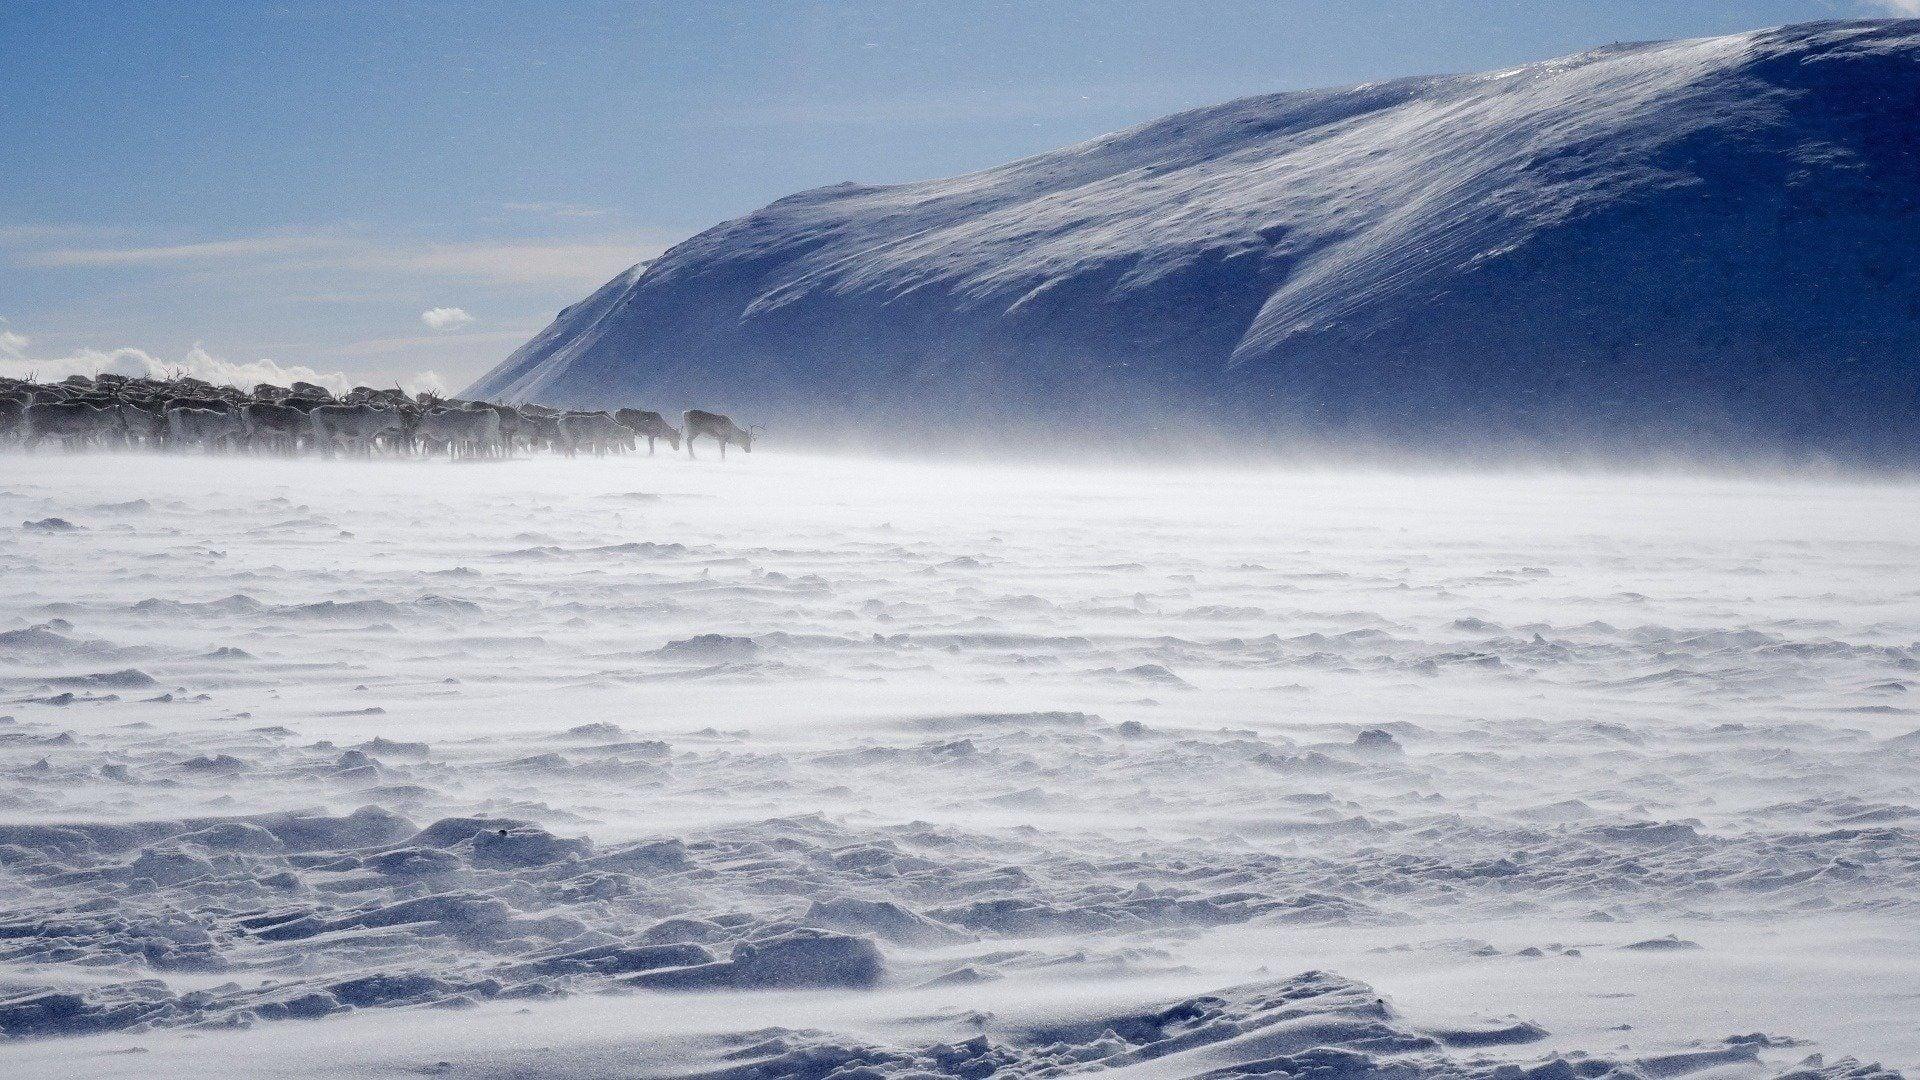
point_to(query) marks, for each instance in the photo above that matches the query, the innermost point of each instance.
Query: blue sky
(384, 188)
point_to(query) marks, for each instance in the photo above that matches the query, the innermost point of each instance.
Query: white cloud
(139, 363)
(1910, 8)
(17, 363)
(13, 345)
(241, 247)
(427, 382)
(550, 263)
(445, 318)
(201, 364)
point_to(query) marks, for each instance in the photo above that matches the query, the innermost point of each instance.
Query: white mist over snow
(782, 765)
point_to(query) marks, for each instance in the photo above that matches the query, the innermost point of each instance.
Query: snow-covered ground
(782, 766)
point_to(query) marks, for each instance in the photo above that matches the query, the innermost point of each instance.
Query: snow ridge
(1693, 241)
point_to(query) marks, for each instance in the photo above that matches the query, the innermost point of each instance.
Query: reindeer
(649, 426)
(151, 413)
(75, 423)
(541, 432)
(719, 427)
(514, 429)
(199, 401)
(466, 432)
(208, 427)
(142, 424)
(13, 419)
(595, 431)
(338, 426)
(275, 425)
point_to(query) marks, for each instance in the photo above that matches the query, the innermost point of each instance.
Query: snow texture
(811, 768)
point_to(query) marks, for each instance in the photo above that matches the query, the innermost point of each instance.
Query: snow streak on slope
(615, 768)
(1705, 241)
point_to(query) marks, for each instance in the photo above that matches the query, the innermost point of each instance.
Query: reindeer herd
(120, 412)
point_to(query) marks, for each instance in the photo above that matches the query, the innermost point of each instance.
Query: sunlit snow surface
(1068, 770)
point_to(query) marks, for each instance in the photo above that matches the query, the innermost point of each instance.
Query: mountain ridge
(1705, 240)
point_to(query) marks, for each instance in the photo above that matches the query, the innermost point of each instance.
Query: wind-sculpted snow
(826, 768)
(1704, 243)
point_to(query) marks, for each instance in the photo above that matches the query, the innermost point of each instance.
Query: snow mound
(798, 959)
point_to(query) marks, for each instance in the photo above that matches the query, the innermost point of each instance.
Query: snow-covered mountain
(1710, 241)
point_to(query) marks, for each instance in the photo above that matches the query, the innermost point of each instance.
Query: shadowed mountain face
(1697, 243)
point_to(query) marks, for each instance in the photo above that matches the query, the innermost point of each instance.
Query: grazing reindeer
(719, 427)
(649, 426)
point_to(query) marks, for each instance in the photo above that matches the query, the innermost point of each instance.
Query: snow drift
(811, 767)
(1705, 242)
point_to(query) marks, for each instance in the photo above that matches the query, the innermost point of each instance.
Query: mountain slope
(1711, 240)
